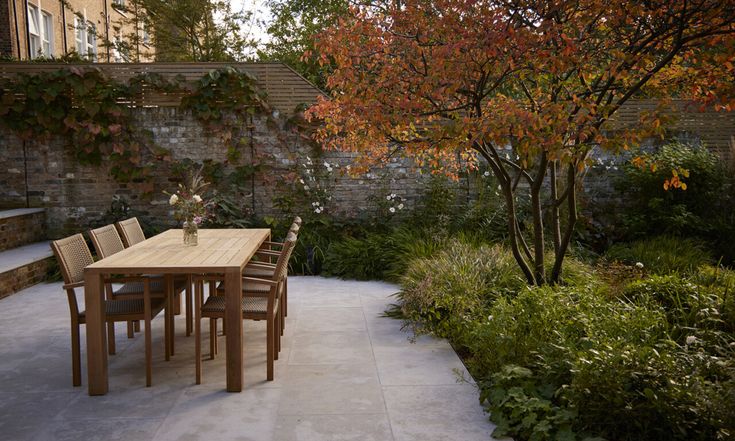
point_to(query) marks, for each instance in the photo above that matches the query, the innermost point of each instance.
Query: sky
(260, 15)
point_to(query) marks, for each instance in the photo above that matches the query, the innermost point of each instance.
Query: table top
(218, 250)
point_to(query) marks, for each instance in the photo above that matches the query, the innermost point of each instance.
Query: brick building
(100, 30)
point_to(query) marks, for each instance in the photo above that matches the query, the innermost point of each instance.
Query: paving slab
(344, 373)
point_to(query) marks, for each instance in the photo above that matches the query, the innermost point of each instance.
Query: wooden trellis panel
(285, 88)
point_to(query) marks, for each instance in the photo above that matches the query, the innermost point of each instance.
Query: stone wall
(19, 278)
(43, 174)
(76, 197)
(21, 229)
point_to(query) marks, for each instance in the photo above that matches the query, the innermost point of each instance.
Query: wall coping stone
(5, 214)
(22, 256)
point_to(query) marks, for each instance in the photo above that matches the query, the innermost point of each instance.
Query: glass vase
(191, 235)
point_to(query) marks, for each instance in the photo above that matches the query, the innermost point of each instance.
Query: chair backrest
(73, 255)
(106, 241)
(131, 231)
(282, 265)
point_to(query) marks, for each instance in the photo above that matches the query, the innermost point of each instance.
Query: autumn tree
(530, 87)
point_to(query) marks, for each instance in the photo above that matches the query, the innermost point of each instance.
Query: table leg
(96, 338)
(233, 314)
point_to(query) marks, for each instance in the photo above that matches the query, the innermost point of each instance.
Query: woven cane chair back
(131, 231)
(281, 269)
(106, 241)
(73, 255)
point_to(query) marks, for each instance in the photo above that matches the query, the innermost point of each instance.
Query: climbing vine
(93, 114)
(224, 101)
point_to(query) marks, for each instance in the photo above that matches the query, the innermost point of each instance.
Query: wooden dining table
(219, 252)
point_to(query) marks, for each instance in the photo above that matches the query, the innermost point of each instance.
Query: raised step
(21, 226)
(24, 266)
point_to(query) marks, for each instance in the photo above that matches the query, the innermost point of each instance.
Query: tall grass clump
(445, 293)
(662, 254)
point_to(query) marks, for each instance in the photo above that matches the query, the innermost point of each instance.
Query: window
(119, 52)
(146, 35)
(47, 39)
(34, 30)
(40, 32)
(85, 35)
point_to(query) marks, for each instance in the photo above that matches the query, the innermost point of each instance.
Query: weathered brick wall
(21, 230)
(6, 23)
(76, 196)
(14, 280)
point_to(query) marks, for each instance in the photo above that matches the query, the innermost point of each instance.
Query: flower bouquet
(190, 208)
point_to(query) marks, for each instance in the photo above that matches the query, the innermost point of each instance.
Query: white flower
(173, 199)
(500, 188)
(691, 340)
(387, 198)
(197, 198)
(392, 209)
(489, 318)
(392, 195)
(326, 164)
(400, 206)
(639, 264)
(486, 174)
(301, 181)
(306, 187)
(329, 169)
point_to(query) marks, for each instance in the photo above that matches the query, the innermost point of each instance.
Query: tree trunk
(569, 227)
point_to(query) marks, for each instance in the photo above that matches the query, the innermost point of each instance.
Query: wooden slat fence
(285, 88)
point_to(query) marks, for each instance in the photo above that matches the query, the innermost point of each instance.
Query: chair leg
(148, 342)
(277, 337)
(212, 338)
(131, 331)
(285, 297)
(136, 325)
(76, 364)
(270, 341)
(111, 338)
(189, 318)
(198, 330)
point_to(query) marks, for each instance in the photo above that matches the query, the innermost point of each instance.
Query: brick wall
(76, 196)
(21, 230)
(6, 23)
(23, 277)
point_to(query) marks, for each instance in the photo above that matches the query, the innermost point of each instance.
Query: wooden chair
(131, 234)
(266, 307)
(130, 231)
(73, 255)
(106, 242)
(264, 269)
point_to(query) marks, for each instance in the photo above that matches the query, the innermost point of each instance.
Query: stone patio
(344, 373)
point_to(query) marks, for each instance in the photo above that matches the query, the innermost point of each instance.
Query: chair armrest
(73, 285)
(261, 281)
(260, 265)
(267, 253)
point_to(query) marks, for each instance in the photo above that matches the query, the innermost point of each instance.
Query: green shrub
(565, 363)
(445, 293)
(652, 209)
(662, 254)
(705, 209)
(693, 310)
